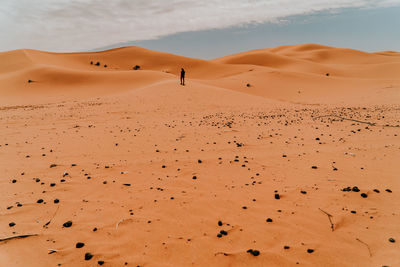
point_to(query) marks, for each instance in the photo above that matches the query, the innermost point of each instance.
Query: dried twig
(223, 253)
(369, 250)
(51, 251)
(329, 217)
(46, 224)
(15, 237)
(366, 122)
(120, 221)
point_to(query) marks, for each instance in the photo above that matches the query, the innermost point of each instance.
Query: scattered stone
(376, 191)
(303, 192)
(100, 262)
(286, 247)
(355, 189)
(39, 201)
(53, 165)
(219, 223)
(80, 245)
(364, 195)
(11, 224)
(314, 167)
(277, 196)
(269, 220)
(67, 224)
(388, 190)
(391, 240)
(88, 256)
(223, 232)
(253, 252)
(310, 250)
(56, 201)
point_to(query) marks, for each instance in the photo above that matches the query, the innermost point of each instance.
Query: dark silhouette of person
(182, 77)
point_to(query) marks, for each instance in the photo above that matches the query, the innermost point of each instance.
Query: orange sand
(252, 119)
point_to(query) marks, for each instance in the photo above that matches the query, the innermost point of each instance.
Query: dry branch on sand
(330, 219)
(16, 237)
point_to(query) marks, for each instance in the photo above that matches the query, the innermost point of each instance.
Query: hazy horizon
(189, 28)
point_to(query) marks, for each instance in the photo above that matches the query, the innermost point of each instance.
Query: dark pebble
(303, 192)
(253, 252)
(364, 195)
(286, 247)
(67, 224)
(392, 240)
(11, 224)
(310, 250)
(80, 245)
(277, 196)
(269, 220)
(56, 201)
(100, 262)
(314, 167)
(88, 256)
(388, 190)
(355, 189)
(39, 201)
(219, 223)
(223, 232)
(376, 191)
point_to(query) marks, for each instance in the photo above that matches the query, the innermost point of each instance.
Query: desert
(284, 156)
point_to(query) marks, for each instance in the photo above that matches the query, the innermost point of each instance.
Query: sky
(203, 29)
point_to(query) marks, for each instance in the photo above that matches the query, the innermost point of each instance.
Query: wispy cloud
(73, 25)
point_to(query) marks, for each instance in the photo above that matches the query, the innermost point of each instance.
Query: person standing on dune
(182, 77)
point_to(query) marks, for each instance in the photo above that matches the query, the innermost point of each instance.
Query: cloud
(75, 25)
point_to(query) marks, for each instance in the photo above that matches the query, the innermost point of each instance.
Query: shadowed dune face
(305, 73)
(262, 159)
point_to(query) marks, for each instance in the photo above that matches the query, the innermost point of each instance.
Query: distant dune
(307, 73)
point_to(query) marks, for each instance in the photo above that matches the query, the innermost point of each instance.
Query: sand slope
(151, 173)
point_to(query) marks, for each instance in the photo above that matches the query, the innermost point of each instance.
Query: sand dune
(262, 159)
(281, 73)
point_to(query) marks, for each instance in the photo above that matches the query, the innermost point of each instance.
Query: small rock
(355, 189)
(391, 240)
(100, 262)
(80, 245)
(88, 256)
(253, 252)
(11, 224)
(269, 220)
(310, 250)
(277, 196)
(223, 232)
(67, 224)
(364, 195)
